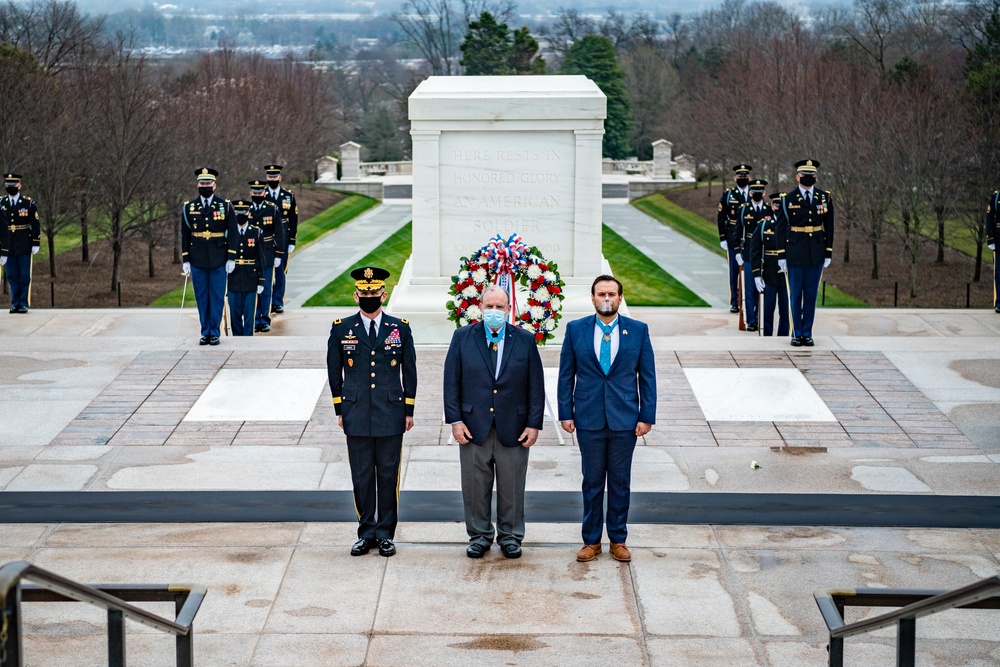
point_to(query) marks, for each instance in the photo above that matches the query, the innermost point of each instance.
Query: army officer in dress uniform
(289, 209)
(991, 243)
(729, 206)
(768, 277)
(748, 218)
(246, 282)
(805, 246)
(373, 378)
(265, 215)
(20, 236)
(208, 248)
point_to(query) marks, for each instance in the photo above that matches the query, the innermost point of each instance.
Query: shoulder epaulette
(406, 321)
(338, 321)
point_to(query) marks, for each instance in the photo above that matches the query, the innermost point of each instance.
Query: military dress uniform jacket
(729, 205)
(20, 228)
(805, 232)
(249, 271)
(763, 252)
(991, 218)
(289, 209)
(207, 233)
(374, 389)
(268, 219)
(748, 218)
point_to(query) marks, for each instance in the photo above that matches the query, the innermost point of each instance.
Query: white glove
(992, 246)
(782, 265)
(230, 265)
(724, 245)
(34, 250)
(186, 268)
(759, 282)
(826, 262)
(739, 259)
(260, 289)
(291, 249)
(3, 260)
(277, 262)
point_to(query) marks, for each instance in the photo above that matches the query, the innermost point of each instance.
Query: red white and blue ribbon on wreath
(504, 260)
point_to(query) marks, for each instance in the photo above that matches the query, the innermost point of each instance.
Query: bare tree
(432, 26)
(53, 30)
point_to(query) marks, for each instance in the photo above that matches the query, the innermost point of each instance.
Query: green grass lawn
(837, 299)
(391, 256)
(646, 283)
(691, 225)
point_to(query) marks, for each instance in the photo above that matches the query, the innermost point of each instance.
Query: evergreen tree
(594, 57)
(522, 54)
(380, 138)
(493, 48)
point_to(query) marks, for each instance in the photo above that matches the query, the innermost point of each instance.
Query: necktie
(605, 357)
(809, 198)
(372, 334)
(493, 357)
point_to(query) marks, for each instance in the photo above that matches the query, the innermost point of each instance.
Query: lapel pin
(624, 332)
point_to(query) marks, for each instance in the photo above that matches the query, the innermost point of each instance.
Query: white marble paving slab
(756, 394)
(260, 395)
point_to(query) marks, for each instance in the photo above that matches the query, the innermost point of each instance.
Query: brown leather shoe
(588, 553)
(620, 552)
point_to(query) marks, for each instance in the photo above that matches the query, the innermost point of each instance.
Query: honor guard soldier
(208, 249)
(289, 209)
(748, 218)
(246, 282)
(991, 243)
(373, 378)
(729, 206)
(805, 246)
(264, 214)
(19, 239)
(767, 275)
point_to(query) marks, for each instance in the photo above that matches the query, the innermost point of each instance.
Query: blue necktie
(605, 357)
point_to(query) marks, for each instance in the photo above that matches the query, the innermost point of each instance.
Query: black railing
(114, 598)
(914, 604)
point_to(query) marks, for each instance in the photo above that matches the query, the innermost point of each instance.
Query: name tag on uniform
(794, 206)
(768, 231)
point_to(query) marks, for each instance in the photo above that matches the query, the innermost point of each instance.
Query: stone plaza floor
(890, 402)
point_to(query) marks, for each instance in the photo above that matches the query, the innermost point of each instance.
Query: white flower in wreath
(473, 313)
(479, 275)
(463, 321)
(542, 294)
(470, 292)
(537, 312)
(534, 272)
(549, 277)
(550, 324)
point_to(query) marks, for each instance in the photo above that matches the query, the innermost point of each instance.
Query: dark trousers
(750, 295)
(19, 276)
(772, 296)
(278, 293)
(607, 461)
(803, 286)
(480, 465)
(209, 293)
(241, 307)
(996, 282)
(734, 280)
(375, 474)
(263, 315)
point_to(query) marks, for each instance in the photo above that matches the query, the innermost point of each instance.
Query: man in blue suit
(607, 395)
(494, 399)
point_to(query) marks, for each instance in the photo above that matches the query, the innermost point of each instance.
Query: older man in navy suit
(607, 395)
(494, 399)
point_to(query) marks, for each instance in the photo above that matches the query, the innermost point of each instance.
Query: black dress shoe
(734, 309)
(213, 340)
(363, 546)
(14, 310)
(203, 340)
(277, 309)
(475, 550)
(997, 309)
(807, 341)
(264, 328)
(751, 327)
(386, 547)
(511, 550)
(22, 309)
(796, 341)
(256, 328)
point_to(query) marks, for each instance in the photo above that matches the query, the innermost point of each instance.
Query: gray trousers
(480, 465)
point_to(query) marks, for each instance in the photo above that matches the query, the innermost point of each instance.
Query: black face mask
(807, 180)
(257, 198)
(370, 304)
(241, 218)
(274, 185)
(742, 181)
(12, 190)
(756, 196)
(206, 191)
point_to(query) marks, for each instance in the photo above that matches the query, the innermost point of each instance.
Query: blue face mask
(494, 319)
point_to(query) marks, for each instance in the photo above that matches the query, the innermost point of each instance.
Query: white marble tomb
(756, 394)
(271, 394)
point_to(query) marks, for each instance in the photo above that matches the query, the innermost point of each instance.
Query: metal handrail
(60, 588)
(914, 604)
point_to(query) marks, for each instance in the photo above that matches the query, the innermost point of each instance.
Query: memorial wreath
(509, 263)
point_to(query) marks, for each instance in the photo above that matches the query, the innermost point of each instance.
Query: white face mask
(606, 307)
